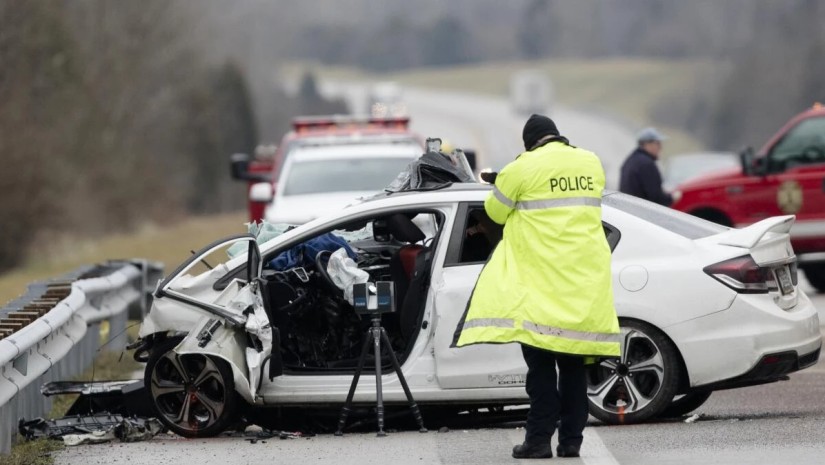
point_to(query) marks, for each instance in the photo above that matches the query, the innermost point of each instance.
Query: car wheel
(682, 405)
(192, 394)
(816, 275)
(638, 385)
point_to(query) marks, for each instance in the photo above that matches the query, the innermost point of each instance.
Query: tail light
(743, 275)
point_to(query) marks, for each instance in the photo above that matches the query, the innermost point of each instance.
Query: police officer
(547, 285)
(640, 176)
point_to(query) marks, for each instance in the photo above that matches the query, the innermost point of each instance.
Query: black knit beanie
(536, 127)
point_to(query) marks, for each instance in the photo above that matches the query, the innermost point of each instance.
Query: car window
(351, 174)
(675, 221)
(804, 144)
(475, 236)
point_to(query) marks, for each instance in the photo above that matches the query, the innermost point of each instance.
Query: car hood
(722, 177)
(300, 209)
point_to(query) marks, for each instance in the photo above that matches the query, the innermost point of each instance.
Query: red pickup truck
(785, 177)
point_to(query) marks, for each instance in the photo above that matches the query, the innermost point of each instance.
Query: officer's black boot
(541, 450)
(567, 451)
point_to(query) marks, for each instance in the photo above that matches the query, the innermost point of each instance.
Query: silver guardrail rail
(52, 332)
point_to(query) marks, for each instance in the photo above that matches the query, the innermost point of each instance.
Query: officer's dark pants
(549, 403)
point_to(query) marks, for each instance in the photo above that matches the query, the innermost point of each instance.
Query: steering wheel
(321, 262)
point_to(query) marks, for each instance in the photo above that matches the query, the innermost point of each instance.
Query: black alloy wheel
(638, 385)
(192, 394)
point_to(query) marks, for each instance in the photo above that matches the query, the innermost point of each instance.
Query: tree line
(112, 114)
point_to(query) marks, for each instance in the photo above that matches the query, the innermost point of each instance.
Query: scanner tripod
(376, 335)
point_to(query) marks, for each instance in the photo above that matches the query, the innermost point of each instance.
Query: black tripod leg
(342, 418)
(379, 392)
(413, 406)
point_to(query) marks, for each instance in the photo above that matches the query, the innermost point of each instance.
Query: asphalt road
(770, 424)
(782, 422)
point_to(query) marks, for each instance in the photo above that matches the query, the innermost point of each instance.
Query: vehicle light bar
(316, 123)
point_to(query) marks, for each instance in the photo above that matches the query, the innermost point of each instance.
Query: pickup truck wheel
(192, 394)
(638, 385)
(816, 275)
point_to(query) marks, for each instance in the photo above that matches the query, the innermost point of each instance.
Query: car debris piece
(91, 429)
(128, 398)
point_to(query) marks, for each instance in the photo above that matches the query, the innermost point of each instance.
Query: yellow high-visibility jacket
(548, 282)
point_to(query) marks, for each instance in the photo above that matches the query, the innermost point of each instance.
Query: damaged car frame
(701, 306)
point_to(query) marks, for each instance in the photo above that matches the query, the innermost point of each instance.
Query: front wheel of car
(816, 275)
(638, 385)
(192, 394)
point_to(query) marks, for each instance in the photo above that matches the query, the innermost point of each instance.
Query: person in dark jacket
(640, 176)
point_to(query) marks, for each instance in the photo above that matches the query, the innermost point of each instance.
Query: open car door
(234, 325)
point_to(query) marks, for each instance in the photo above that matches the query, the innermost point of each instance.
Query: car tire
(638, 385)
(193, 394)
(816, 275)
(682, 405)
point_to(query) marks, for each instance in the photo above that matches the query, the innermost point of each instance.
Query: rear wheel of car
(816, 275)
(684, 404)
(638, 385)
(192, 394)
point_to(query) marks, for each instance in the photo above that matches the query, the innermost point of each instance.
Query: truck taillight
(742, 274)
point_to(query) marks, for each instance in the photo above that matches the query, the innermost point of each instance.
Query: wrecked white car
(702, 307)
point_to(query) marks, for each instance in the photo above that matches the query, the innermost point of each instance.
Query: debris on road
(91, 429)
(693, 418)
(128, 398)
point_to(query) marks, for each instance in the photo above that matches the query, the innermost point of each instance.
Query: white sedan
(702, 307)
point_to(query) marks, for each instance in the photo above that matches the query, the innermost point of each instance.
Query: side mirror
(239, 168)
(261, 192)
(470, 155)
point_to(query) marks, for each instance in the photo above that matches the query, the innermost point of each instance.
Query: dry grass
(37, 452)
(626, 88)
(168, 244)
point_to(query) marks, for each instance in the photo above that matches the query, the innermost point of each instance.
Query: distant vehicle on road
(701, 306)
(386, 100)
(786, 176)
(531, 92)
(261, 173)
(682, 167)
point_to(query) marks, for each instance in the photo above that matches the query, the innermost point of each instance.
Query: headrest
(403, 228)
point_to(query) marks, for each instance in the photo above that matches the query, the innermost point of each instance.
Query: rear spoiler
(748, 237)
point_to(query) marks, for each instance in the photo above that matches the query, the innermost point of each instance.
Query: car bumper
(752, 341)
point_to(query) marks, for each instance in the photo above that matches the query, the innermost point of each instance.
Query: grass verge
(32, 453)
(167, 244)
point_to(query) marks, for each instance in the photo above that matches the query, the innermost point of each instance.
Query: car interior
(317, 326)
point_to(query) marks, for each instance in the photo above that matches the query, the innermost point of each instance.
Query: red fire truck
(785, 177)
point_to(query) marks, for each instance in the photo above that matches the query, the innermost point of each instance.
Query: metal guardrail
(53, 331)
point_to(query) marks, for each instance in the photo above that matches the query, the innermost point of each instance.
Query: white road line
(593, 451)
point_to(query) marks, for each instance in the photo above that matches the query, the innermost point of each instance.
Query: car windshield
(350, 174)
(675, 221)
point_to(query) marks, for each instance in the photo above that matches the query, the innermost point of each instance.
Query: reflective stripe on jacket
(548, 282)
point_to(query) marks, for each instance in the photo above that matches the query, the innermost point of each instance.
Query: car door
(472, 239)
(481, 365)
(799, 162)
(236, 312)
(792, 178)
